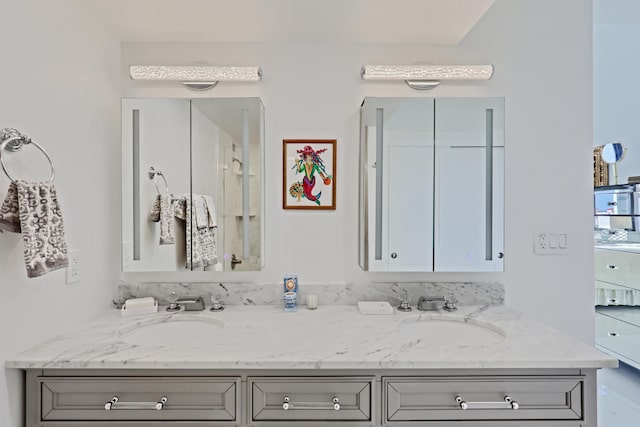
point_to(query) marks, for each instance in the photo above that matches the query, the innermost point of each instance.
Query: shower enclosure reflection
(192, 184)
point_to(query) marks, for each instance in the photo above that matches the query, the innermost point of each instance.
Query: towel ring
(153, 174)
(14, 143)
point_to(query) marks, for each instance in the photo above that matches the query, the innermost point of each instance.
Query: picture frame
(309, 174)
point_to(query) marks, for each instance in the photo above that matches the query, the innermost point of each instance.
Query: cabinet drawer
(619, 337)
(311, 399)
(622, 268)
(611, 294)
(434, 398)
(187, 399)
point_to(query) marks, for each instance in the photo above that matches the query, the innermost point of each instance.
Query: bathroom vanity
(479, 366)
(617, 299)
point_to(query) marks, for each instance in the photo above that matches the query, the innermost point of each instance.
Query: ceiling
(443, 22)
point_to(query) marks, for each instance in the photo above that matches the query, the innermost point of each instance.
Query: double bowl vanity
(431, 199)
(259, 366)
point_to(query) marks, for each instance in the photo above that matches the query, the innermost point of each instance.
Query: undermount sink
(455, 332)
(183, 331)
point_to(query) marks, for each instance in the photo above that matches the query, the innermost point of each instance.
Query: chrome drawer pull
(508, 403)
(115, 403)
(288, 404)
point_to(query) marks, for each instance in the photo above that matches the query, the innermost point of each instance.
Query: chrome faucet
(189, 303)
(192, 303)
(431, 303)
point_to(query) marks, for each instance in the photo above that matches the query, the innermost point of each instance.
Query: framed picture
(309, 174)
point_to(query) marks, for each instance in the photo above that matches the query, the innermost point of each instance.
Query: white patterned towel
(162, 212)
(200, 224)
(32, 208)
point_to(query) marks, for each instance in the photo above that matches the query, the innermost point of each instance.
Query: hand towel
(41, 225)
(211, 208)
(200, 234)
(9, 215)
(167, 226)
(154, 214)
(162, 211)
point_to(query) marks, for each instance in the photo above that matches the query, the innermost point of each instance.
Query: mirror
(612, 153)
(192, 184)
(432, 184)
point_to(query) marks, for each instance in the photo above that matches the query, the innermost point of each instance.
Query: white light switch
(562, 241)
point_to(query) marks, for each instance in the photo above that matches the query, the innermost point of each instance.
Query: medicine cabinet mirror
(432, 184)
(192, 184)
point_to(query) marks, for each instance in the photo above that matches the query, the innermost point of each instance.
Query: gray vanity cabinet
(433, 400)
(311, 399)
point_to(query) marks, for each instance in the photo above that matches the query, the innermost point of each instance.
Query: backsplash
(467, 293)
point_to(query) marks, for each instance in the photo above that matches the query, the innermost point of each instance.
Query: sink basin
(183, 331)
(454, 332)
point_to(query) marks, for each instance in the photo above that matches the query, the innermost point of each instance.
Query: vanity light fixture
(196, 77)
(425, 77)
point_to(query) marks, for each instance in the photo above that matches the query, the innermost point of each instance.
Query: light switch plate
(550, 243)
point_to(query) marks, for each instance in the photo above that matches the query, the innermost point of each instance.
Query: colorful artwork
(309, 174)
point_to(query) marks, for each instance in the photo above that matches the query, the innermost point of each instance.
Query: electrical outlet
(550, 243)
(73, 270)
(542, 243)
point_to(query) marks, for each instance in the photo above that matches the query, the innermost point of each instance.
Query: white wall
(542, 51)
(616, 66)
(61, 85)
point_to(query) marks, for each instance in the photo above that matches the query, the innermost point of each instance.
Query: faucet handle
(216, 302)
(172, 298)
(404, 301)
(173, 302)
(450, 302)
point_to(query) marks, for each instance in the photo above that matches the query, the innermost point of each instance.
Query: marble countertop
(332, 337)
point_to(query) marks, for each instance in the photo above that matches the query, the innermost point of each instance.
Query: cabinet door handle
(612, 267)
(287, 404)
(116, 404)
(508, 403)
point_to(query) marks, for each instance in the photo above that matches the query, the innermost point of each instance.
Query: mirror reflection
(432, 184)
(192, 184)
(613, 152)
